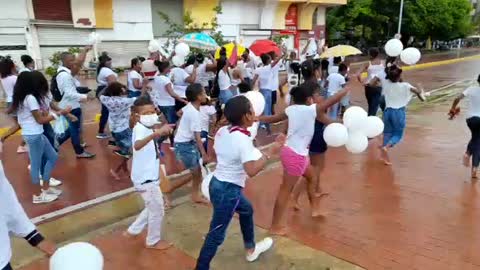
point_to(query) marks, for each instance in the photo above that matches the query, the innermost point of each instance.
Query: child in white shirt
(146, 172)
(335, 83)
(207, 115)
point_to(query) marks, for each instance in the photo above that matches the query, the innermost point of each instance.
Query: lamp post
(400, 18)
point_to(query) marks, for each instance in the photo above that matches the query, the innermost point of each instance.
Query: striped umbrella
(200, 41)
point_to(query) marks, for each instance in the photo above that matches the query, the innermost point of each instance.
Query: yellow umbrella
(229, 47)
(340, 50)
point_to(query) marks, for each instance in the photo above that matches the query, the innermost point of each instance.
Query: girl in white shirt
(373, 88)
(397, 96)
(473, 122)
(31, 105)
(181, 79)
(224, 82)
(237, 159)
(294, 155)
(134, 78)
(105, 77)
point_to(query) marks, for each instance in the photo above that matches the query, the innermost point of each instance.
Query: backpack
(56, 94)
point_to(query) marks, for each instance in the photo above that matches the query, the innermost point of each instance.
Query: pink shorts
(293, 163)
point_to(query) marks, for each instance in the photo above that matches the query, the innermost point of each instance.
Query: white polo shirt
(190, 122)
(233, 149)
(145, 163)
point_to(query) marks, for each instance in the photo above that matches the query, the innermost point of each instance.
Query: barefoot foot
(384, 156)
(199, 199)
(161, 245)
(114, 175)
(466, 160)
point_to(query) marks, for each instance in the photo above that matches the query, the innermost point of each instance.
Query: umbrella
(229, 47)
(200, 41)
(340, 50)
(262, 46)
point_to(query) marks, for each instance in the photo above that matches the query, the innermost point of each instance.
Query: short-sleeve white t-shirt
(264, 77)
(133, 74)
(301, 126)
(8, 84)
(104, 73)
(336, 82)
(206, 113)
(178, 77)
(397, 95)
(118, 111)
(25, 117)
(233, 149)
(274, 83)
(473, 95)
(189, 124)
(159, 92)
(224, 81)
(145, 162)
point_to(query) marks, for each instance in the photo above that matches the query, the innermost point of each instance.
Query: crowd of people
(163, 103)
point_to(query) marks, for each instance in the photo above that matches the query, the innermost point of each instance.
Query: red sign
(291, 16)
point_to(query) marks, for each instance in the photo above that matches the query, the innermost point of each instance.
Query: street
(420, 213)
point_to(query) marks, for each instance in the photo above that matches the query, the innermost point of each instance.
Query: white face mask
(149, 120)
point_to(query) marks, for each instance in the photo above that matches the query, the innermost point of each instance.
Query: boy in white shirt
(335, 83)
(188, 143)
(145, 172)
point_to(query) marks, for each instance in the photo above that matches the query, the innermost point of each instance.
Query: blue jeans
(267, 94)
(204, 135)
(171, 116)
(227, 199)
(373, 95)
(134, 93)
(395, 121)
(188, 154)
(40, 148)
(225, 96)
(73, 132)
(123, 139)
(473, 147)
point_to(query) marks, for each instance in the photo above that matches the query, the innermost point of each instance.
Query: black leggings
(473, 147)
(104, 112)
(373, 95)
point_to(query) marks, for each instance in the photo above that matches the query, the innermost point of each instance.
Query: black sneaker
(119, 153)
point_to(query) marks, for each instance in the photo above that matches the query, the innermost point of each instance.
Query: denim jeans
(204, 135)
(395, 121)
(267, 94)
(40, 148)
(227, 199)
(123, 140)
(373, 95)
(103, 113)
(73, 132)
(473, 147)
(134, 93)
(225, 96)
(171, 116)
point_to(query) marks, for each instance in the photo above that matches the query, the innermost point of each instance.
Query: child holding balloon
(397, 96)
(294, 154)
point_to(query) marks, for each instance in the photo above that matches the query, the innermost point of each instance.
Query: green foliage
(278, 39)
(377, 20)
(55, 60)
(177, 30)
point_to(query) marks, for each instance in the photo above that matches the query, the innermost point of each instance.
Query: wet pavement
(421, 213)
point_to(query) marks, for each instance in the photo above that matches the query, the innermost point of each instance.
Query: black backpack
(56, 94)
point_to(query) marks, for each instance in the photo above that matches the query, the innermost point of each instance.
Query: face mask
(149, 120)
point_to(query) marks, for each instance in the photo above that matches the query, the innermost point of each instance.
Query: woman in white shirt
(181, 78)
(373, 88)
(472, 93)
(397, 96)
(134, 78)
(224, 82)
(31, 103)
(105, 77)
(28, 63)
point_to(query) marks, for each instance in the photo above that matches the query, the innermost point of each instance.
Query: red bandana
(240, 129)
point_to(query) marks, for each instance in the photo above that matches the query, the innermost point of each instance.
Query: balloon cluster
(357, 127)
(94, 38)
(77, 256)
(409, 56)
(181, 51)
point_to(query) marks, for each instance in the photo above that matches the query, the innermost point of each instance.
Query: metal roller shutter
(122, 52)
(12, 40)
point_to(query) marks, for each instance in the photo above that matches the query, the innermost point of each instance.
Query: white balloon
(394, 47)
(257, 100)
(153, 46)
(410, 56)
(354, 118)
(182, 49)
(77, 256)
(335, 135)
(178, 60)
(373, 127)
(357, 142)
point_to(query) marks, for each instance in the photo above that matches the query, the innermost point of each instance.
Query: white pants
(151, 215)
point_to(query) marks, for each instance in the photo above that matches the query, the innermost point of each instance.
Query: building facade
(42, 27)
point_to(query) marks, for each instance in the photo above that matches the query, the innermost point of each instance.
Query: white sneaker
(260, 248)
(53, 191)
(44, 198)
(52, 182)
